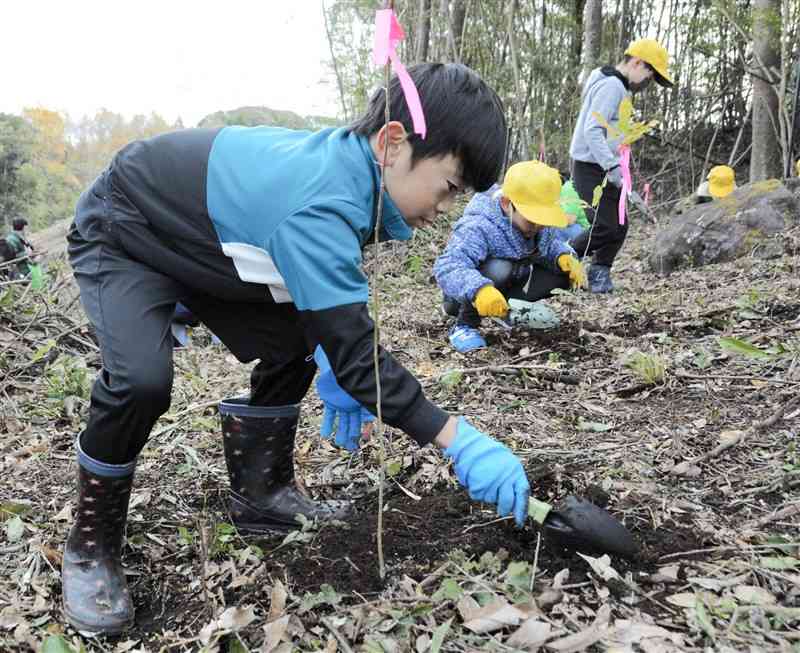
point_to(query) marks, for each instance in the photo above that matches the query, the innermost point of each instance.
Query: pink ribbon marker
(627, 183)
(646, 192)
(388, 33)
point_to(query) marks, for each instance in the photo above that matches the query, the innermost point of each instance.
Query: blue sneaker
(599, 277)
(466, 338)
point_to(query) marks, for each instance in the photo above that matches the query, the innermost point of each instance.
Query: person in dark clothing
(17, 246)
(595, 154)
(258, 232)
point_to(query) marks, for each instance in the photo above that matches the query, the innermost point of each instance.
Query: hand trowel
(580, 524)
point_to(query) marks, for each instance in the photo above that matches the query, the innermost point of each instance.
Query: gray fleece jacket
(602, 94)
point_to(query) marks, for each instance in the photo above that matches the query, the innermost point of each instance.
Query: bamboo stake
(377, 320)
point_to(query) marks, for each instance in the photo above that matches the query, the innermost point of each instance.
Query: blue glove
(489, 471)
(338, 406)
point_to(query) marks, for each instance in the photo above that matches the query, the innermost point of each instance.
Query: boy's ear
(396, 135)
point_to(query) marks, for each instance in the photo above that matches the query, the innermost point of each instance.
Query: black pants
(528, 281)
(607, 235)
(131, 305)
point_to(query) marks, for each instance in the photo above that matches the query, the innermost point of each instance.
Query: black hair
(19, 224)
(657, 76)
(626, 58)
(464, 117)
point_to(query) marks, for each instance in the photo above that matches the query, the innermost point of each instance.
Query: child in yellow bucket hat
(721, 181)
(595, 156)
(506, 246)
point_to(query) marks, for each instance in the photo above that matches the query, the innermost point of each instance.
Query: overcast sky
(174, 57)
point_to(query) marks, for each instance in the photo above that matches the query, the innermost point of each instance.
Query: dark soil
(418, 535)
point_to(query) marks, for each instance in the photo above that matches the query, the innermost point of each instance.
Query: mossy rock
(745, 223)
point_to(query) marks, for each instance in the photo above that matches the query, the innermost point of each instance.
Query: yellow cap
(652, 52)
(721, 181)
(797, 166)
(534, 189)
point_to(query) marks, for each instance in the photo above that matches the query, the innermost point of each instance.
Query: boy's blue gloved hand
(489, 471)
(339, 407)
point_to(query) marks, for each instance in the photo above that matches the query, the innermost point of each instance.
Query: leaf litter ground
(627, 403)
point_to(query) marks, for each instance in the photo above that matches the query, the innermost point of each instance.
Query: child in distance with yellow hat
(720, 182)
(506, 245)
(595, 154)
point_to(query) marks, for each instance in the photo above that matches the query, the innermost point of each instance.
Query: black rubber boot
(96, 596)
(259, 452)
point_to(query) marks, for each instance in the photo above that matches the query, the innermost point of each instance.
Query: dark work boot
(599, 277)
(96, 596)
(259, 452)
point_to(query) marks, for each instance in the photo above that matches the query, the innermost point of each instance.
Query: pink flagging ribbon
(646, 193)
(627, 183)
(388, 33)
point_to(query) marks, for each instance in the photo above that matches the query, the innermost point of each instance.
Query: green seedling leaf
(235, 646)
(8, 510)
(782, 543)
(449, 590)
(439, 634)
(394, 468)
(14, 529)
(297, 537)
(185, 536)
(703, 619)
(450, 379)
(596, 427)
(40, 353)
(56, 644)
(625, 115)
(742, 347)
(597, 194)
(779, 563)
(612, 131)
(518, 576)
(326, 596)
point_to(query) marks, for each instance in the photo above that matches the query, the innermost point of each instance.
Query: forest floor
(675, 402)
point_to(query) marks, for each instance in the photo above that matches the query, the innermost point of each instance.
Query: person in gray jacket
(595, 156)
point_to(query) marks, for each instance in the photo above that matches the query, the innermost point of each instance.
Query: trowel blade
(580, 524)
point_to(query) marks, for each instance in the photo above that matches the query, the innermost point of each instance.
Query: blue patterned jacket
(485, 231)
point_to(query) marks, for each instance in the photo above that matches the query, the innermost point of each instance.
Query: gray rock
(793, 184)
(741, 224)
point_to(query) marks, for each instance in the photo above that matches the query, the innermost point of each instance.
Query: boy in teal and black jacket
(259, 232)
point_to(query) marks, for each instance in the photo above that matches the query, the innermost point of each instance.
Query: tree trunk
(423, 30)
(518, 117)
(459, 13)
(339, 83)
(578, 7)
(623, 37)
(765, 157)
(592, 36)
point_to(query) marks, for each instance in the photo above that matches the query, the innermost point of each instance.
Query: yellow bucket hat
(721, 181)
(652, 52)
(534, 189)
